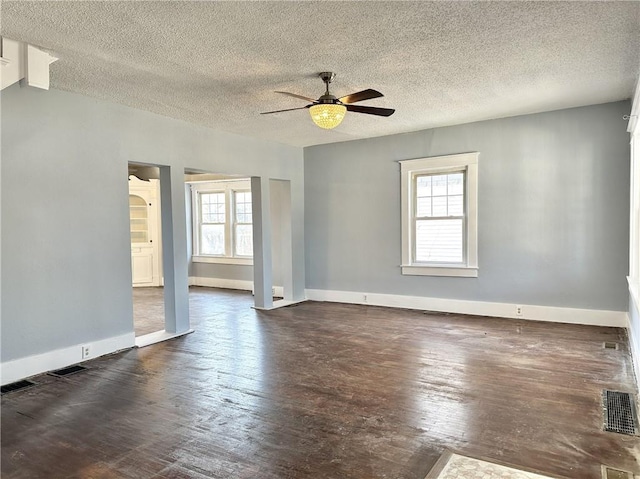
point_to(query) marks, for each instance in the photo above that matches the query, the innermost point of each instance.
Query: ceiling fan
(328, 111)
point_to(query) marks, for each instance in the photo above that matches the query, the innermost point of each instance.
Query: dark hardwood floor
(148, 310)
(322, 390)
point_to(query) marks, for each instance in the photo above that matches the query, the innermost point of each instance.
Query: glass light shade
(327, 115)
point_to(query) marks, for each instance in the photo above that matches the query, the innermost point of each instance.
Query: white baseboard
(554, 314)
(229, 284)
(634, 340)
(282, 303)
(158, 337)
(11, 371)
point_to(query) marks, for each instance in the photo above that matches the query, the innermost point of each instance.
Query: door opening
(158, 253)
(146, 252)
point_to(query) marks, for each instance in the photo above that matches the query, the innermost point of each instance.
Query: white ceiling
(438, 63)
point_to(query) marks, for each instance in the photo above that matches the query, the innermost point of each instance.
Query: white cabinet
(144, 219)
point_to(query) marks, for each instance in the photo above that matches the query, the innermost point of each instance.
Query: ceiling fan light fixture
(327, 115)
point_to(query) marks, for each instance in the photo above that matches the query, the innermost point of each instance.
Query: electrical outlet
(85, 352)
(518, 310)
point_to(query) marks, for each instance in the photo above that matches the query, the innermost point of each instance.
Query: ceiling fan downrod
(327, 77)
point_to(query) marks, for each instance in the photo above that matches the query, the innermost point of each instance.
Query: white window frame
(229, 188)
(409, 170)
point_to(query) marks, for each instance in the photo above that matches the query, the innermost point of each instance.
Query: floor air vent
(610, 345)
(7, 388)
(620, 413)
(437, 313)
(67, 371)
(610, 473)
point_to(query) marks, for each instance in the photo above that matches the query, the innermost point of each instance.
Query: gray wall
(553, 210)
(66, 273)
(222, 271)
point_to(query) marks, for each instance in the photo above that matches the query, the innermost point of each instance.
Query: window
(212, 223)
(439, 215)
(243, 229)
(222, 222)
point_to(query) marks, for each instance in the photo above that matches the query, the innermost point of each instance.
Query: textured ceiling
(438, 63)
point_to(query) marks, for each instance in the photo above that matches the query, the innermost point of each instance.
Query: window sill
(456, 271)
(222, 260)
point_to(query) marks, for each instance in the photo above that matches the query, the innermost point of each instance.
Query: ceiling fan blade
(370, 110)
(360, 96)
(288, 109)
(296, 96)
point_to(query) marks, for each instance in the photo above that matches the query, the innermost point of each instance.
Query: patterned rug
(453, 466)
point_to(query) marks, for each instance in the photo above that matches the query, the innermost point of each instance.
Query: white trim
(230, 284)
(634, 290)
(158, 337)
(440, 164)
(17, 369)
(37, 67)
(634, 232)
(281, 304)
(460, 271)
(634, 341)
(594, 317)
(222, 260)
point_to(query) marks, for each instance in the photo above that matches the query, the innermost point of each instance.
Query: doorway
(158, 253)
(146, 253)
(220, 225)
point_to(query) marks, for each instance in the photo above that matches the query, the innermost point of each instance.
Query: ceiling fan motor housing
(329, 99)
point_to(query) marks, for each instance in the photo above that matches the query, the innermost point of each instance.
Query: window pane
(440, 206)
(244, 240)
(439, 183)
(243, 206)
(439, 241)
(423, 185)
(212, 207)
(456, 183)
(243, 217)
(423, 207)
(456, 205)
(212, 239)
